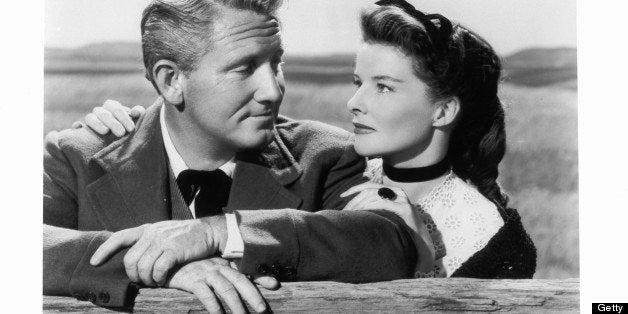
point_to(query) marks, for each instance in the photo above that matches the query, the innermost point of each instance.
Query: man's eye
(381, 88)
(357, 82)
(245, 68)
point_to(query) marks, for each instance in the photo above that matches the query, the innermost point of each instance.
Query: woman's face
(392, 113)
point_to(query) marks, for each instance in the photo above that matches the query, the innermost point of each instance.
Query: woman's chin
(366, 150)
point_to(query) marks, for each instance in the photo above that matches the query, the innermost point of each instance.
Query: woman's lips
(362, 129)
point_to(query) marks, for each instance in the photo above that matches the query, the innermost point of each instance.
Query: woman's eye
(357, 83)
(381, 88)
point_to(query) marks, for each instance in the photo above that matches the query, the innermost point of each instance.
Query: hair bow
(439, 34)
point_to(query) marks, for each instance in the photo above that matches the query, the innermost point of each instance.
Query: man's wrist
(217, 234)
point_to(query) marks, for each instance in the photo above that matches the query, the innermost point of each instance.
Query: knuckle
(144, 265)
(226, 289)
(129, 260)
(112, 103)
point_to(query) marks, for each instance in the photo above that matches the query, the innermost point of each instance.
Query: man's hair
(180, 30)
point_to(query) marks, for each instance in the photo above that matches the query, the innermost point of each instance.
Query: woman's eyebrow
(387, 78)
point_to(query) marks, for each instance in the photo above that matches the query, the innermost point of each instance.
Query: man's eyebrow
(247, 56)
(387, 78)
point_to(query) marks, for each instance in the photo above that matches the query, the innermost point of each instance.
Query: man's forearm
(66, 268)
(326, 245)
(218, 227)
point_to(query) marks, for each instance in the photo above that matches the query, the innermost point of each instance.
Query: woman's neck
(435, 151)
(416, 190)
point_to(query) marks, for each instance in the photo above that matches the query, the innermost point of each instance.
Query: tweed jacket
(286, 199)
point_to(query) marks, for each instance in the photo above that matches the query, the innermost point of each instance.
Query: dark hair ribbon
(439, 34)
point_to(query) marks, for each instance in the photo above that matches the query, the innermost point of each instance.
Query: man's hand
(157, 248)
(211, 277)
(112, 116)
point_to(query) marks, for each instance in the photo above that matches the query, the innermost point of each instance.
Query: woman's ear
(447, 112)
(168, 78)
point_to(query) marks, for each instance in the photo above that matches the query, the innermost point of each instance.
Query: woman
(426, 103)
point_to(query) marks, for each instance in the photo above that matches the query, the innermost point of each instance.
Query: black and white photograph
(360, 156)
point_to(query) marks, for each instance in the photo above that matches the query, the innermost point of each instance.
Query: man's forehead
(236, 24)
(241, 33)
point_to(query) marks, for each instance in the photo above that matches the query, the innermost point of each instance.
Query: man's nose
(270, 86)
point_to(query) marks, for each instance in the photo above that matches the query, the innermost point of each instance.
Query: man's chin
(258, 140)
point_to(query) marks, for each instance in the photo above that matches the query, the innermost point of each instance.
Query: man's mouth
(362, 129)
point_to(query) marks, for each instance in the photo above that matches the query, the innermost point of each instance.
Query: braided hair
(452, 61)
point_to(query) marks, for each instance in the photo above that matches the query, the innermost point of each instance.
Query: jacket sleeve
(348, 246)
(67, 250)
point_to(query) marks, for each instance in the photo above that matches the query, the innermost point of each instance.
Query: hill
(542, 67)
(532, 67)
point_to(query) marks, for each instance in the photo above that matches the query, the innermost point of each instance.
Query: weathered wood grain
(400, 296)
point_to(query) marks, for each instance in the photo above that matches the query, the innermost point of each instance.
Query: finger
(352, 205)
(132, 257)
(366, 202)
(360, 188)
(137, 111)
(121, 114)
(226, 290)
(267, 282)
(117, 241)
(245, 288)
(219, 261)
(207, 297)
(77, 125)
(162, 266)
(107, 119)
(93, 123)
(145, 266)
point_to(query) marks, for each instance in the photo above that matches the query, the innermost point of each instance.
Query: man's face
(233, 95)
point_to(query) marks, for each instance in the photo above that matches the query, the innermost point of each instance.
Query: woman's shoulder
(456, 196)
(510, 254)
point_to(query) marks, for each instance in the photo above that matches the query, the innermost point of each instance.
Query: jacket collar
(135, 187)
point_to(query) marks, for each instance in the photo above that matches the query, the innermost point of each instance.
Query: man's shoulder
(314, 142)
(312, 134)
(81, 143)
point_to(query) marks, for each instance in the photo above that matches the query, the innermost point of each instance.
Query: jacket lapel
(259, 179)
(134, 189)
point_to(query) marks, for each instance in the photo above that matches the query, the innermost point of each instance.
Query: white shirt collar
(176, 161)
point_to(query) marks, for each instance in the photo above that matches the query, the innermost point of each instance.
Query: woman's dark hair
(453, 62)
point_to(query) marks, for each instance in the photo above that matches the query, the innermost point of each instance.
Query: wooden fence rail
(399, 296)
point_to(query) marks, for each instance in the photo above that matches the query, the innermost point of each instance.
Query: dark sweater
(510, 254)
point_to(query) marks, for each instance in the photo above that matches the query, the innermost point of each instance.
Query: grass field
(540, 170)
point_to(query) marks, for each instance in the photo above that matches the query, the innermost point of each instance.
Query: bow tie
(208, 189)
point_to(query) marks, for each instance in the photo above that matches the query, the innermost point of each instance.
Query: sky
(319, 27)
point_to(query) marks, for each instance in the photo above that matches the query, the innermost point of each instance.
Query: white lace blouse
(459, 218)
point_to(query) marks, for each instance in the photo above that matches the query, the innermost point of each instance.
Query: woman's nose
(355, 104)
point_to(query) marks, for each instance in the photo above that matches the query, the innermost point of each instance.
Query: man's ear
(447, 112)
(168, 78)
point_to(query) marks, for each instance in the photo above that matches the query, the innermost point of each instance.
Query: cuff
(235, 245)
(105, 285)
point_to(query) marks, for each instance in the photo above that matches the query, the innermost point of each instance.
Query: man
(216, 67)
